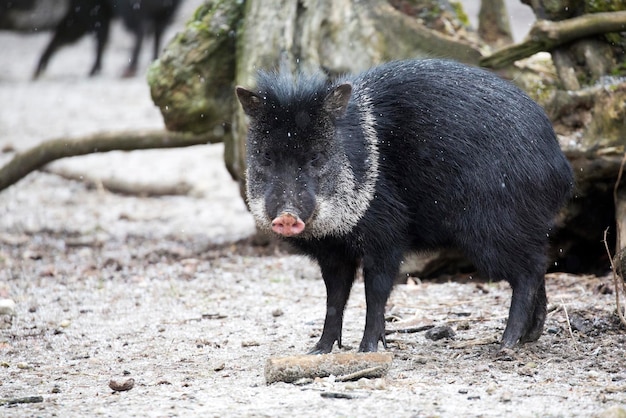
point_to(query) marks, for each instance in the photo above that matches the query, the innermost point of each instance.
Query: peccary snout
(287, 224)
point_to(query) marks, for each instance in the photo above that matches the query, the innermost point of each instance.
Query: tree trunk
(336, 36)
(493, 23)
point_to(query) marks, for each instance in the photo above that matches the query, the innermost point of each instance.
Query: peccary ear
(336, 102)
(250, 101)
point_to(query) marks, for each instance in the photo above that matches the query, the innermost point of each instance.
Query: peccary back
(411, 155)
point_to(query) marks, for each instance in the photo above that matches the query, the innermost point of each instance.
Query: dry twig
(616, 277)
(617, 274)
(569, 324)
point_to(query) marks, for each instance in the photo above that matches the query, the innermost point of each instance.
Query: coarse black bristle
(292, 92)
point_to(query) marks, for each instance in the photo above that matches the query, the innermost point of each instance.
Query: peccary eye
(266, 159)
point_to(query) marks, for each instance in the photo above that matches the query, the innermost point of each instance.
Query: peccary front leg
(338, 275)
(379, 274)
(102, 37)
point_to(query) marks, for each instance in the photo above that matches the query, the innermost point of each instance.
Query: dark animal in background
(94, 16)
(410, 155)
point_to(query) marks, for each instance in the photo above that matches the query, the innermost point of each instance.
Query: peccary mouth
(288, 224)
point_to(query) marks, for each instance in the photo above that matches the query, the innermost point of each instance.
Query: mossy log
(546, 35)
(192, 81)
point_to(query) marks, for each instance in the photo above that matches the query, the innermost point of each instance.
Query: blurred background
(64, 101)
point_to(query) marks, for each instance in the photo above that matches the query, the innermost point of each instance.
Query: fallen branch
(546, 35)
(26, 399)
(290, 369)
(123, 186)
(34, 158)
(364, 373)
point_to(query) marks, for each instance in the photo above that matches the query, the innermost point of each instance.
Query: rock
(121, 385)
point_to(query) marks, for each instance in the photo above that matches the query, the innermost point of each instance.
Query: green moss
(596, 6)
(460, 13)
(619, 70)
(192, 81)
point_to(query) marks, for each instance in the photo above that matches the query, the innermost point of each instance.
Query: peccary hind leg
(539, 315)
(527, 313)
(338, 275)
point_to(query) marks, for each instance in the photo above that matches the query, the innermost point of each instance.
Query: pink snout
(287, 224)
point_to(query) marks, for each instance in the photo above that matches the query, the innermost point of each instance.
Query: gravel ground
(164, 291)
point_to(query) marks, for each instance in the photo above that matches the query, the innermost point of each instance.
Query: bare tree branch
(546, 35)
(34, 158)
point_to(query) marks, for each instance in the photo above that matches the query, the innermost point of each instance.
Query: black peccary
(410, 155)
(84, 16)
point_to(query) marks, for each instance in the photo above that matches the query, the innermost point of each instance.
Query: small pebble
(481, 368)
(277, 312)
(121, 385)
(506, 397)
(439, 333)
(463, 326)
(7, 307)
(526, 371)
(491, 388)
(65, 323)
(593, 374)
(380, 384)
(23, 365)
(365, 383)
(7, 148)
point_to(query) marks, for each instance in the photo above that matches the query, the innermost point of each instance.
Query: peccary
(411, 155)
(84, 16)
